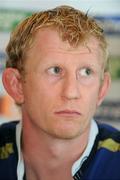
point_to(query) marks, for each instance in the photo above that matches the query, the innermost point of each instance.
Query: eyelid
(53, 68)
(85, 68)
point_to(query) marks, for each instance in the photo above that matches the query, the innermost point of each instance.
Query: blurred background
(106, 12)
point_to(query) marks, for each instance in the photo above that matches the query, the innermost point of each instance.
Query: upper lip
(67, 111)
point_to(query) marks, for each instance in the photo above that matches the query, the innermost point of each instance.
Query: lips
(68, 113)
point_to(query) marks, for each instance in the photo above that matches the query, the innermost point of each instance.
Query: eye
(85, 72)
(56, 70)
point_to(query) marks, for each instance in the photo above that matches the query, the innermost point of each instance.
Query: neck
(44, 153)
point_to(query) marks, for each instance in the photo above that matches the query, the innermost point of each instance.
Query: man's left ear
(105, 84)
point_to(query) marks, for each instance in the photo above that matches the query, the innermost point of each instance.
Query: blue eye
(55, 70)
(85, 72)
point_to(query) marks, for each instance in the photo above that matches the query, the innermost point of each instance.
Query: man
(57, 71)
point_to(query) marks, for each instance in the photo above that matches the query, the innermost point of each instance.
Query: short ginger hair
(72, 25)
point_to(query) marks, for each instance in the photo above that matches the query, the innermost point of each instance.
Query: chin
(66, 134)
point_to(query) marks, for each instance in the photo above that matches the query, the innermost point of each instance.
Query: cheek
(91, 98)
(39, 94)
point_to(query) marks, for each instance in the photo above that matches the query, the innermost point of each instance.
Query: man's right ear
(12, 82)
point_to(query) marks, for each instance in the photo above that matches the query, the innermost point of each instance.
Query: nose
(71, 88)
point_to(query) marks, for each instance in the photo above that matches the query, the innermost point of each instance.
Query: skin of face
(62, 85)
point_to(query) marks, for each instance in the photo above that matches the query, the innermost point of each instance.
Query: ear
(104, 87)
(12, 82)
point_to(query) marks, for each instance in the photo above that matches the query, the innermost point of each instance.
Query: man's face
(62, 85)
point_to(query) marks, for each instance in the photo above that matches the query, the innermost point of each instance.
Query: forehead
(49, 39)
(48, 48)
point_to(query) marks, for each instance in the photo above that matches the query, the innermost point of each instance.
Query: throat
(48, 158)
(49, 164)
(48, 173)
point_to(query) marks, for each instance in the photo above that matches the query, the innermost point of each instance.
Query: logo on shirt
(6, 151)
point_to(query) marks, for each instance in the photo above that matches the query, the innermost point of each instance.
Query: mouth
(68, 113)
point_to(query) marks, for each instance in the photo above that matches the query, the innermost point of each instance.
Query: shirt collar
(20, 165)
(92, 136)
(77, 164)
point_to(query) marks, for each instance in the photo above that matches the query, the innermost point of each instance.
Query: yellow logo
(6, 150)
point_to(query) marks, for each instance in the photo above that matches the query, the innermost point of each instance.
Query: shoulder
(104, 158)
(8, 151)
(7, 138)
(106, 131)
(7, 130)
(8, 127)
(109, 137)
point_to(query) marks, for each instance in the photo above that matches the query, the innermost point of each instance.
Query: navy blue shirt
(103, 162)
